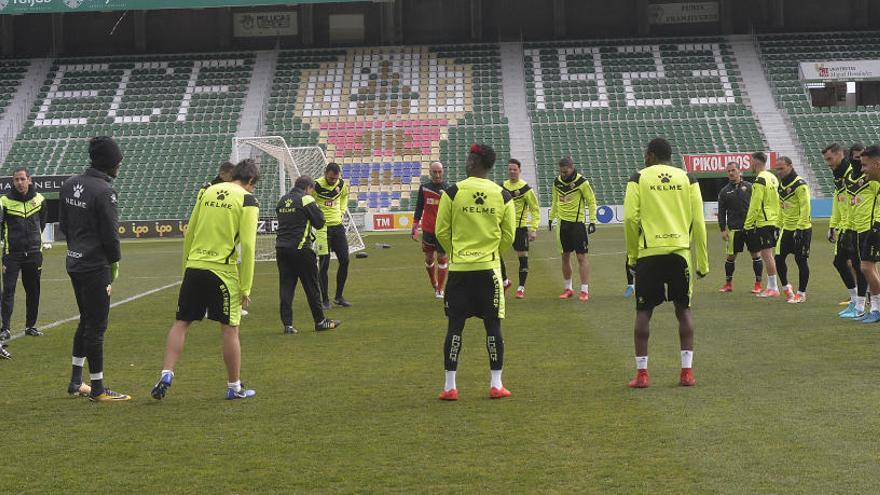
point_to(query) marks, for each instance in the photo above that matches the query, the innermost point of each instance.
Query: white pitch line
(113, 305)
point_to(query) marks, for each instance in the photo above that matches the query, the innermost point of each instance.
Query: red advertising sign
(716, 163)
(383, 221)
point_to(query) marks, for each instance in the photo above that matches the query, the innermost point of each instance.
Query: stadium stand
(816, 127)
(601, 101)
(174, 117)
(11, 74)
(385, 113)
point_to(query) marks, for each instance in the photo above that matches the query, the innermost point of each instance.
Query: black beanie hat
(104, 153)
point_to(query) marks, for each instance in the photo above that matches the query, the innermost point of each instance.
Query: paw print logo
(78, 190)
(221, 194)
(288, 203)
(665, 178)
(479, 198)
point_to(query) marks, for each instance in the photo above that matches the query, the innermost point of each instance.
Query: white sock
(521, 288)
(687, 359)
(860, 303)
(642, 362)
(236, 385)
(79, 361)
(168, 372)
(875, 303)
(496, 379)
(450, 381)
(787, 287)
(631, 286)
(96, 376)
(568, 284)
(853, 293)
(771, 282)
(802, 293)
(585, 288)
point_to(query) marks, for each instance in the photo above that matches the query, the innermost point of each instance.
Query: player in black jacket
(23, 215)
(89, 220)
(733, 203)
(298, 216)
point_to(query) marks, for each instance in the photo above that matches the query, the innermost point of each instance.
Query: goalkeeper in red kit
(424, 217)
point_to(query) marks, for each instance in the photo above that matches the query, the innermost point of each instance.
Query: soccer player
(571, 195)
(797, 229)
(863, 217)
(213, 281)
(331, 193)
(89, 221)
(475, 222)
(761, 219)
(869, 247)
(224, 174)
(22, 219)
(733, 203)
(664, 226)
(425, 217)
(298, 215)
(525, 201)
(846, 252)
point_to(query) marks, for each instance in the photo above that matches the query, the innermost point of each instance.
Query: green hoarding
(65, 6)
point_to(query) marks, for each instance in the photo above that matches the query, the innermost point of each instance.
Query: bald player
(425, 216)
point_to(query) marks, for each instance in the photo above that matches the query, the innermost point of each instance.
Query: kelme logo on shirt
(78, 190)
(221, 194)
(665, 185)
(288, 203)
(479, 198)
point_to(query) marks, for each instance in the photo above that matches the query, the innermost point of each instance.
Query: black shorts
(736, 241)
(430, 243)
(477, 293)
(788, 245)
(762, 238)
(847, 244)
(573, 237)
(216, 293)
(521, 239)
(666, 277)
(869, 245)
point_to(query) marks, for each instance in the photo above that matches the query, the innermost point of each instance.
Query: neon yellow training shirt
(794, 194)
(764, 206)
(225, 216)
(864, 204)
(333, 200)
(570, 198)
(523, 196)
(475, 222)
(663, 214)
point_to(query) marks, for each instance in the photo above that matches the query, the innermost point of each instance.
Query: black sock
(503, 271)
(758, 267)
(97, 387)
(729, 267)
(523, 270)
(630, 278)
(76, 374)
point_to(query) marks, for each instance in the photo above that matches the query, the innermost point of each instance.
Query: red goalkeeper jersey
(426, 205)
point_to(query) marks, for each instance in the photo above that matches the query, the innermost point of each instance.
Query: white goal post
(280, 165)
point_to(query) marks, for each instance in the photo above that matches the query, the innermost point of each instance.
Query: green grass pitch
(785, 402)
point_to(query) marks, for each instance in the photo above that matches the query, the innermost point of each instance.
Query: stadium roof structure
(70, 6)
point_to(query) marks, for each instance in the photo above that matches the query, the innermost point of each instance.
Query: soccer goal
(280, 165)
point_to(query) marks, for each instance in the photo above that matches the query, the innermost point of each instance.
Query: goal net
(280, 165)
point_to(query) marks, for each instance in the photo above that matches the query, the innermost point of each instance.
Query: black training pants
(338, 244)
(295, 265)
(90, 289)
(30, 265)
